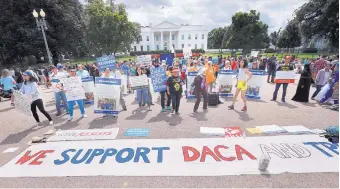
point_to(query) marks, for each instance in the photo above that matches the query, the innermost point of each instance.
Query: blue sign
(137, 132)
(169, 58)
(158, 78)
(106, 62)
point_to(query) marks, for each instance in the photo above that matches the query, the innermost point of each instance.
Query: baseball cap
(60, 66)
(28, 73)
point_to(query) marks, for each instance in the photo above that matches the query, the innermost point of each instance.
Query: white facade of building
(166, 34)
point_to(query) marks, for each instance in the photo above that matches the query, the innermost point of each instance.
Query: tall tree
(247, 32)
(216, 38)
(19, 36)
(320, 18)
(274, 37)
(108, 28)
(290, 37)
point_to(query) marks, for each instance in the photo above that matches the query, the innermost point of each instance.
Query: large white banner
(176, 157)
(88, 85)
(285, 76)
(189, 88)
(144, 59)
(74, 88)
(227, 81)
(255, 84)
(254, 53)
(22, 102)
(90, 134)
(138, 82)
(107, 96)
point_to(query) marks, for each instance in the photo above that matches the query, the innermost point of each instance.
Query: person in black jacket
(174, 88)
(200, 90)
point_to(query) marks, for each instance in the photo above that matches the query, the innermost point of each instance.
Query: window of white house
(202, 36)
(148, 48)
(173, 37)
(182, 46)
(141, 48)
(173, 46)
(182, 37)
(202, 46)
(189, 36)
(141, 38)
(164, 37)
(156, 37)
(195, 46)
(196, 36)
(157, 47)
(189, 45)
(147, 38)
(135, 48)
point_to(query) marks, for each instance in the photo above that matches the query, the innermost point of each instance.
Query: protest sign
(187, 53)
(90, 134)
(139, 82)
(107, 96)
(137, 132)
(169, 58)
(22, 102)
(144, 59)
(124, 84)
(227, 81)
(106, 62)
(176, 157)
(154, 95)
(255, 84)
(254, 53)
(158, 78)
(74, 89)
(189, 88)
(88, 85)
(285, 76)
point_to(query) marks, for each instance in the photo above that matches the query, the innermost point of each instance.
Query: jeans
(163, 93)
(80, 105)
(143, 94)
(58, 97)
(198, 99)
(176, 99)
(39, 103)
(277, 87)
(318, 89)
(271, 72)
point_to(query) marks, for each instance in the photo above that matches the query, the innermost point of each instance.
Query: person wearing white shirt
(57, 75)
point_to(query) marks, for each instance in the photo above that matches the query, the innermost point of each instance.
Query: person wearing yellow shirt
(210, 76)
(194, 68)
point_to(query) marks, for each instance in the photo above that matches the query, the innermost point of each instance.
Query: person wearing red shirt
(319, 65)
(233, 64)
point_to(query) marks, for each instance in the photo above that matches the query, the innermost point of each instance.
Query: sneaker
(168, 108)
(84, 116)
(205, 108)
(124, 108)
(70, 118)
(40, 124)
(140, 105)
(244, 108)
(177, 113)
(143, 104)
(195, 111)
(231, 107)
(313, 98)
(163, 110)
(51, 122)
(172, 111)
(104, 115)
(273, 99)
(12, 104)
(283, 100)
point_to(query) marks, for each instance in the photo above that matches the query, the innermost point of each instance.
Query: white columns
(179, 46)
(152, 47)
(170, 41)
(162, 44)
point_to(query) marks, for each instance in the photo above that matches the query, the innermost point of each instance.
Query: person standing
(302, 90)
(319, 65)
(58, 74)
(241, 85)
(8, 83)
(30, 88)
(322, 79)
(210, 76)
(71, 103)
(82, 72)
(285, 67)
(18, 78)
(271, 69)
(143, 93)
(174, 88)
(200, 90)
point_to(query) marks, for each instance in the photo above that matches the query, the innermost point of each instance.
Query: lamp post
(41, 24)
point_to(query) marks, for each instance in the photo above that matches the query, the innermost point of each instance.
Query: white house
(165, 34)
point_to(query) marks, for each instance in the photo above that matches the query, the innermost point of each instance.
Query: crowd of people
(322, 72)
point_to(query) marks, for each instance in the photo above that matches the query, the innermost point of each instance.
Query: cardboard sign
(254, 53)
(187, 53)
(88, 85)
(255, 84)
(233, 131)
(106, 62)
(176, 157)
(139, 82)
(158, 78)
(144, 59)
(22, 103)
(190, 89)
(107, 96)
(137, 132)
(74, 88)
(285, 77)
(90, 134)
(226, 82)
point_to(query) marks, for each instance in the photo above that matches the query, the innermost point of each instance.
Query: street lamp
(41, 24)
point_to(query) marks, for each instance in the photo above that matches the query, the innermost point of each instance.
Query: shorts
(242, 85)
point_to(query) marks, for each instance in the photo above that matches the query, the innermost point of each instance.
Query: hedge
(309, 50)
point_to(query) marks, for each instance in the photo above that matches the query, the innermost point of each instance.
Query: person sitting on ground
(8, 84)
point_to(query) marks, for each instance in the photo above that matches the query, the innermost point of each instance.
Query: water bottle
(263, 163)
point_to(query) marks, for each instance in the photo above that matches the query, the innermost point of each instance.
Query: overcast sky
(211, 13)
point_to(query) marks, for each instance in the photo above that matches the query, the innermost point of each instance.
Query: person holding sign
(143, 93)
(57, 75)
(81, 72)
(241, 85)
(285, 67)
(71, 103)
(174, 88)
(30, 88)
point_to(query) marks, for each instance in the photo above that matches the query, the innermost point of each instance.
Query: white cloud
(212, 13)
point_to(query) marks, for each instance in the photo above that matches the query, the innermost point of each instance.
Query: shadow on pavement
(175, 120)
(69, 124)
(102, 122)
(6, 109)
(161, 116)
(199, 116)
(138, 114)
(285, 104)
(256, 100)
(243, 116)
(308, 104)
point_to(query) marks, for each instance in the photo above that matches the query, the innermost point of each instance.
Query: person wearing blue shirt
(8, 83)
(82, 72)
